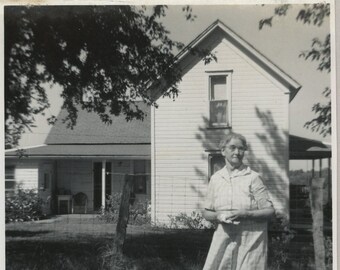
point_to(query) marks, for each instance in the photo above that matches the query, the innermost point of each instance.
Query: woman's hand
(239, 214)
(232, 216)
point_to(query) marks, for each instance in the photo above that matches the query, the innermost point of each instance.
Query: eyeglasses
(234, 147)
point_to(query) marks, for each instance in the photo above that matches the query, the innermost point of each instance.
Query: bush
(279, 244)
(23, 205)
(139, 211)
(194, 221)
(329, 253)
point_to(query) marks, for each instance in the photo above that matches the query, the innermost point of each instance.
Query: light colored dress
(242, 246)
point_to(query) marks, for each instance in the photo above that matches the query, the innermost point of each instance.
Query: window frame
(228, 75)
(10, 190)
(210, 165)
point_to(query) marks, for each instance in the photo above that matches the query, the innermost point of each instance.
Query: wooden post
(103, 183)
(123, 217)
(320, 167)
(316, 201)
(329, 182)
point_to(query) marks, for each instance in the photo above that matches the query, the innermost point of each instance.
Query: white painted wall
(181, 138)
(26, 172)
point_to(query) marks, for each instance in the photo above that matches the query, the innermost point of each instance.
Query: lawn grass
(86, 243)
(71, 244)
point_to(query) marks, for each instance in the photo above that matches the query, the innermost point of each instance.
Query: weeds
(139, 212)
(194, 221)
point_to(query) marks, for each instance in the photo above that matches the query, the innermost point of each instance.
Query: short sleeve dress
(242, 246)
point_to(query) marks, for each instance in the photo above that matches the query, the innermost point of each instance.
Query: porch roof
(122, 151)
(303, 148)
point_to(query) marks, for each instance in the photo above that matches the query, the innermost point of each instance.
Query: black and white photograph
(177, 136)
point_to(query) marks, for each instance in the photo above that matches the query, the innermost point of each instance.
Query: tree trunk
(123, 217)
(316, 201)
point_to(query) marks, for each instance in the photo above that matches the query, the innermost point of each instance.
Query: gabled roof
(90, 129)
(249, 50)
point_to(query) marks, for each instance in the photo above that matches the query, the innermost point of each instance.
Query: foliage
(111, 260)
(320, 51)
(103, 57)
(298, 177)
(329, 253)
(23, 205)
(139, 211)
(323, 122)
(194, 221)
(279, 244)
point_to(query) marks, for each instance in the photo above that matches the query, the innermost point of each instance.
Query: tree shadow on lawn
(81, 253)
(19, 233)
(175, 249)
(169, 245)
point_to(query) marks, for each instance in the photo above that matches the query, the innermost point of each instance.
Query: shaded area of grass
(52, 255)
(152, 250)
(88, 245)
(20, 233)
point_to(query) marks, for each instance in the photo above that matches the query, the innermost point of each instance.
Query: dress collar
(242, 170)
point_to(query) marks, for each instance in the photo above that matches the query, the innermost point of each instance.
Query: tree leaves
(113, 50)
(323, 122)
(314, 13)
(188, 13)
(267, 21)
(320, 51)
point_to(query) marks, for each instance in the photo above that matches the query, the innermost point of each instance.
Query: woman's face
(233, 152)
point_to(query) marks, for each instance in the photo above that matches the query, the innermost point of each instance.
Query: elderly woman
(238, 200)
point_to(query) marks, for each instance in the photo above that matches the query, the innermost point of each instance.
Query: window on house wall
(139, 184)
(219, 100)
(9, 179)
(216, 162)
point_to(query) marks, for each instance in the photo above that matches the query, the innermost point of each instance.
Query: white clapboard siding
(259, 109)
(27, 174)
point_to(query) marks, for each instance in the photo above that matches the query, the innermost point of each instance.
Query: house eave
(84, 151)
(55, 157)
(263, 61)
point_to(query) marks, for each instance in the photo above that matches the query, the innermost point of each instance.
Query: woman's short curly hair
(227, 138)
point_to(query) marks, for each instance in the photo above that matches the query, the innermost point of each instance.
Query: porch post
(103, 182)
(320, 165)
(313, 168)
(329, 181)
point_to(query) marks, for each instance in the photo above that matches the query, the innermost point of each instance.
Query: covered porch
(318, 155)
(88, 172)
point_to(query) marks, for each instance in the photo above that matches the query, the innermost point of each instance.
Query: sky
(282, 43)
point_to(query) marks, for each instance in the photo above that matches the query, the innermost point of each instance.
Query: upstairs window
(219, 100)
